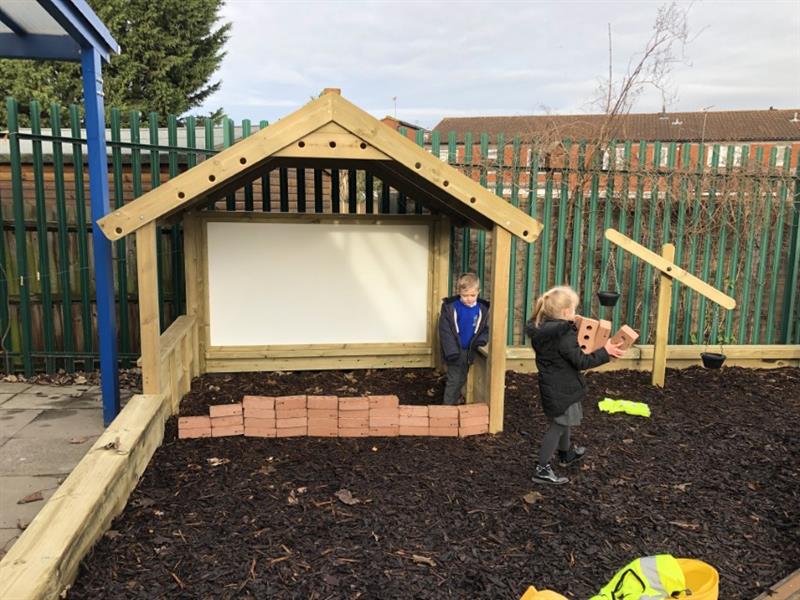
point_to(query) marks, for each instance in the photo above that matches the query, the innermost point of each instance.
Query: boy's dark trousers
(456, 378)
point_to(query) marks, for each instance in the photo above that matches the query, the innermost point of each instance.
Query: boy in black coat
(463, 326)
(560, 360)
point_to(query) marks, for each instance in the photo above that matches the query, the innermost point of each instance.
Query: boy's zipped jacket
(448, 332)
(560, 361)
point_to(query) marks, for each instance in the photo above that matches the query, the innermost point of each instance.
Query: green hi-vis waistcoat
(647, 578)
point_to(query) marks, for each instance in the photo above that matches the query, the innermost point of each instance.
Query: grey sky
(497, 58)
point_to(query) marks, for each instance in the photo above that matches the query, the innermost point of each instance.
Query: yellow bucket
(701, 578)
(532, 594)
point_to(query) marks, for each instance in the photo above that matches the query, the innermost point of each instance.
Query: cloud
(505, 58)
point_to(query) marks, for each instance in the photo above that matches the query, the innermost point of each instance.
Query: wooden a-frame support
(669, 271)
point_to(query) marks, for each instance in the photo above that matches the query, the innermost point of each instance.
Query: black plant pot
(607, 297)
(712, 360)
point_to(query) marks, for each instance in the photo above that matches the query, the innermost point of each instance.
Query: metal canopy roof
(52, 30)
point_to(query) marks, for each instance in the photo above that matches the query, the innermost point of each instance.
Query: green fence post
(484, 181)
(763, 248)
(577, 221)
(636, 234)
(697, 212)
(266, 192)
(83, 248)
(679, 236)
(563, 215)
(43, 269)
(734, 262)
(20, 235)
(748, 261)
(468, 158)
(712, 202)
(608, 215)
(791, 289)
(248, 187)
(778, 243)
(622, 225)
(512, 276)
(155, 181)
(721, 251)
(121, 245)
(533, 211)
(176, 247)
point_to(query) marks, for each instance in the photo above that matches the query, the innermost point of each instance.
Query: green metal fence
(733, 212)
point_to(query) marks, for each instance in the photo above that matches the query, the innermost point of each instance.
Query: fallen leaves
(685, 525)
(532, 497)
(32, 497)
(78, 440)
(423, 560)
(215, 462)
(346, 496)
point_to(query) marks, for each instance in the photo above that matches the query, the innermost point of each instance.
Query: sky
(423, 61)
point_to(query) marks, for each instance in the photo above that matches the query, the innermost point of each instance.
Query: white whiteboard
(312, 283)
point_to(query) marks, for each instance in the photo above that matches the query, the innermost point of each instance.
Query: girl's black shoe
(571, 456)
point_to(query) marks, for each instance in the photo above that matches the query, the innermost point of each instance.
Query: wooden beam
(459, 188)
(44, 561)
(315, 351)
(149, 324)
(671, 269)
(501, 263)
(243, 157)
(662, 319)
(460, 215)
(326, 218)
(331, 141)
(640, 358)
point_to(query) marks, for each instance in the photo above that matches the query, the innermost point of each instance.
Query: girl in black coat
(560, 360)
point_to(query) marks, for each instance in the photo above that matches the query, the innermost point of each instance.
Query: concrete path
(44, 432)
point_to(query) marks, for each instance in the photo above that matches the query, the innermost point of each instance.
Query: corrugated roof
(721, 126)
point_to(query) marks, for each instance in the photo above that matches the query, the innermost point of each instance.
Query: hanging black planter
(608, 297)
(712, 360)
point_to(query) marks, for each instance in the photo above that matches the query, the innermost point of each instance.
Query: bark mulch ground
(713, 474)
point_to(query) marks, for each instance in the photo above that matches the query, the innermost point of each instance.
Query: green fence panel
(744, 307)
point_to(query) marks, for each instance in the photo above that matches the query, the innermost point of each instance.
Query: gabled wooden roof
(327, 132)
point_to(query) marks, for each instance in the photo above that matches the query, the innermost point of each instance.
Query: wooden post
(195, 298)
(662, 319)
(441, 271)
(149, 324)
(501, 258)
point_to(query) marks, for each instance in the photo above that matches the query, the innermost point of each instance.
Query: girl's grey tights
(556, 437)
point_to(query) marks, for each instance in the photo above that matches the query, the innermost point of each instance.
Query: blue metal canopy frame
(84, 38)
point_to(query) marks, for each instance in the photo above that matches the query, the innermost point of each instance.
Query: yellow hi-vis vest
(648, 578)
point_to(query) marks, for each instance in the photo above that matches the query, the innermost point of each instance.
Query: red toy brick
(258, 402)
(225, 410)
(323, 402)
(383, 402)
(289, 402)
(354, 403)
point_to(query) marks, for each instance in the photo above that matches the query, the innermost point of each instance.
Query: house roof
(720, 126)
(328, 132)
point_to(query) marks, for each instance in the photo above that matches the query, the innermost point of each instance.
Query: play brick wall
(333, 416)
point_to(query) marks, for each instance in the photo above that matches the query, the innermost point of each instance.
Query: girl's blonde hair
(553, 302)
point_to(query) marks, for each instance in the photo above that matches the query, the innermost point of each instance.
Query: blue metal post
(98, 191)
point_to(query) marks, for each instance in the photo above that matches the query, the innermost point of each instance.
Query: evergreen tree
(169, 51)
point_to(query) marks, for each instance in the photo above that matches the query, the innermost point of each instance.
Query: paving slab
(8, 387)
(57, 397)
(13, 420)
(62, 424)
(33, 456)
(16, 488)
(7, 538)
(4, 397)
